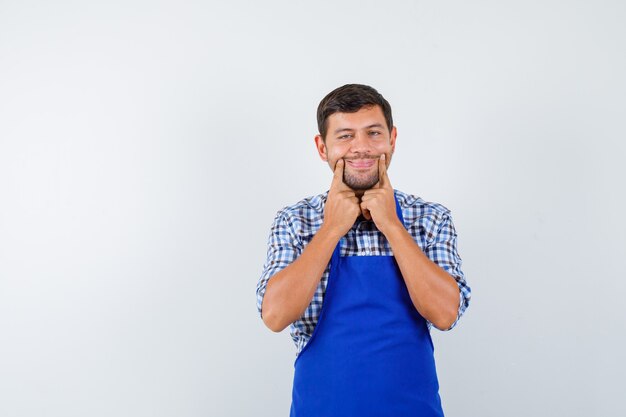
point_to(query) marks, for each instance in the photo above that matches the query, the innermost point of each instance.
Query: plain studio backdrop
(145, 148)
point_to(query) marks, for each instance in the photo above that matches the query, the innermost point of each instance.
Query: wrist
(330, 232)
(393, 228)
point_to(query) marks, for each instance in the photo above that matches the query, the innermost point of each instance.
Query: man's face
(359, 138)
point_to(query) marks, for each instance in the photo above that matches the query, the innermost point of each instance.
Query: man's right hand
(289, 291)
(342, 205)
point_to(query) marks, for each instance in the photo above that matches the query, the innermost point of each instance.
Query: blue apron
(370, 353)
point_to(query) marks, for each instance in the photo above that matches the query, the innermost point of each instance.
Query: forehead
(361, 119)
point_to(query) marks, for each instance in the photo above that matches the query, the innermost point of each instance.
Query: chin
(359, 183)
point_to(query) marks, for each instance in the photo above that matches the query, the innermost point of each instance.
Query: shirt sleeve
(283, 247)
(443, 251)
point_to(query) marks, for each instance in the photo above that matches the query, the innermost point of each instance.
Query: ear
(392, 138)
(321, 147)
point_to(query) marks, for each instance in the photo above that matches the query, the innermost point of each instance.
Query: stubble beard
(360, 182)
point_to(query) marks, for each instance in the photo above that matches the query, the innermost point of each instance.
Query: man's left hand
(378, 203)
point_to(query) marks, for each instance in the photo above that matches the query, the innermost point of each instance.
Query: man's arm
(289, 291)
(438, 296)
(435, 293)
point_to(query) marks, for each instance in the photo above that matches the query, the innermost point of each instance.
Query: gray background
(146, 146)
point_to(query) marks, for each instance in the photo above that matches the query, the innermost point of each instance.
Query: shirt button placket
(361, 235)
(366, 248)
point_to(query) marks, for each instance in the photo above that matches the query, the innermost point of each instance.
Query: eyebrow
(345, 129)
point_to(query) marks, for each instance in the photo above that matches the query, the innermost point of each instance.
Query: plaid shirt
(294, 226)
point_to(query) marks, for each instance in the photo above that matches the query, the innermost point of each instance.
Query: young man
(360, 273)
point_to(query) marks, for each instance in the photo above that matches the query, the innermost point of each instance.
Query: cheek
(335, 154)
(384, 148)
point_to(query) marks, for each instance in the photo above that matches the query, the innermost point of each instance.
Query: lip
(361, 163)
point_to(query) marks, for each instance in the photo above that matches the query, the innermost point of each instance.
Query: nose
(360, 143)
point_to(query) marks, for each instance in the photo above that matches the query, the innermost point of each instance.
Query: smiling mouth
(361, 163)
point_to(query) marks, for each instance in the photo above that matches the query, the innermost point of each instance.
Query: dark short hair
(350, 98)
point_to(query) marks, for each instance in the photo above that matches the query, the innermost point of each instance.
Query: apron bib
(370, 354)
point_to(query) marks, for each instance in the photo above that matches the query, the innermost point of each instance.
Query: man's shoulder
(419, 206)
(307, 208)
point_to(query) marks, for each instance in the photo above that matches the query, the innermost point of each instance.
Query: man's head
(355, 124)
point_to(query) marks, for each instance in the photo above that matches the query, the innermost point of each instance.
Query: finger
(338, 174)
(373, 191)
(369, 194)
(349, 194)
(383, 180)
(366, 213)
(338, 171)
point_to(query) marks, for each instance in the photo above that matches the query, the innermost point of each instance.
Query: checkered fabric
(294, 226)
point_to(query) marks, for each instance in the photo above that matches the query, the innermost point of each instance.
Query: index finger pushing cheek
(382, 165)
(338, 171)
(338, 164)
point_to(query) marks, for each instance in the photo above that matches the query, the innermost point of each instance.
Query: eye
(374, 133)
(346, 136)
